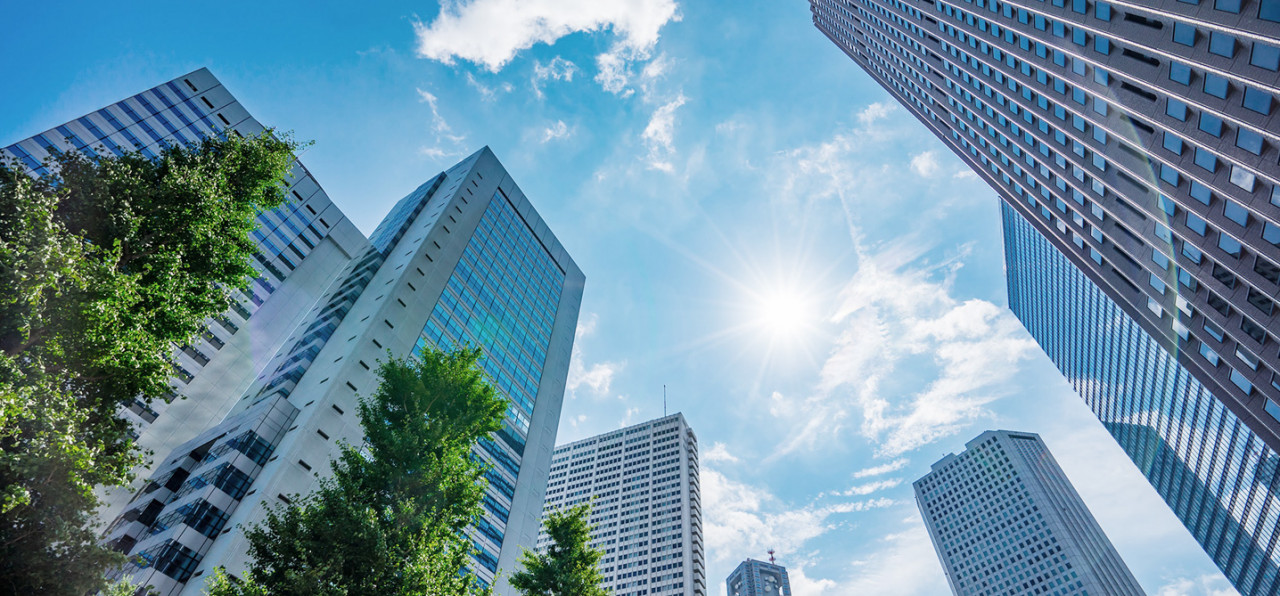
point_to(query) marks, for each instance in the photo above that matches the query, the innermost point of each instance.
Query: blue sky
(816, 280)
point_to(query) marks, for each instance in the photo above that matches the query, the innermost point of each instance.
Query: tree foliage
(104, 267)
(570, 565)
(391, 518)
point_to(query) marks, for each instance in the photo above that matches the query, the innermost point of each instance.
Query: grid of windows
(182, 111)
(646, 512)
(502, 297)
(1213, 471)
(1139, 140)
(1005, 520)
(757, 578)
(1116, 129)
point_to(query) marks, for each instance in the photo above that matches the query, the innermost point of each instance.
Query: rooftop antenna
(664, 400)
(771, 562)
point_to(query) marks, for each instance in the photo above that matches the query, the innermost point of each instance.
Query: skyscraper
(1138, 142)
(1139, 138)
(1213, 471)
(757, 578)
(1005, 519)
(302, 246)
(462, 260)
(646, 500)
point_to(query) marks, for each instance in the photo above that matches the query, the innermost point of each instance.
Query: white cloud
(628, 417)
(486, 92)
(558, 69)
(447, 144)
(871, 487)
(557, 130)
(803, 585)
(1207, 585)
(889, 314)
(491, 32)
(597, 377)
(613, 72)
(874, 112)
(898, 313)
(925, 164)
(893, 466)
(743, 518)
(719, 452)
(904, 564)
(659, 135)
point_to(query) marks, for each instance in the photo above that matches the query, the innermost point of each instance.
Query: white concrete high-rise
(462, 260)
(1005, 520)
(302, 246)
(646, 500)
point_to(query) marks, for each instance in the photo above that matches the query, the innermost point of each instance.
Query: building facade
(1137, 144)
(646, 500)
(1216, 474)
(301, 248)
(758, 578)
(1140, 138)
(1004, 519)
(271, 387)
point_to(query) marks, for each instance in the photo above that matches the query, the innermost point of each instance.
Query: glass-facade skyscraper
(1140, 142)
(462, 260)
(1215, 473)
(272, 387)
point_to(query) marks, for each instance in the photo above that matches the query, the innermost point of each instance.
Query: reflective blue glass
(1200, 457)
(1184, 34)
(1257, 100)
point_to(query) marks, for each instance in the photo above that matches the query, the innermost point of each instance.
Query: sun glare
(784, 314)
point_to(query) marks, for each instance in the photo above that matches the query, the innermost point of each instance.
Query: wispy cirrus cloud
(899, 311)
(659, 136)
(744, 518)
(557, 69)
(719, 453)
(488, 93)
(871, 487)
(892, 466)
(446, 142)
(1207, 585)
(554, 131)
(595, 378)
(903, 563)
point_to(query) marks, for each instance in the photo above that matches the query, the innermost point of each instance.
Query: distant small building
(758, 578)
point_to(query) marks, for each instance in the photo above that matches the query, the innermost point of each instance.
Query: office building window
(1184, 34)
(1180, 73)
(1249, 141)
(1265, 55)
(1257, 100)
(1222, 44)
(1269, 10)
(1216, 85)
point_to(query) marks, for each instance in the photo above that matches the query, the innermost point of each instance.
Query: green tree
(391, 518)
(570, 565)
(104, 267)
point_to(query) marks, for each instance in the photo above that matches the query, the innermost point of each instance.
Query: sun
(784, 314)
